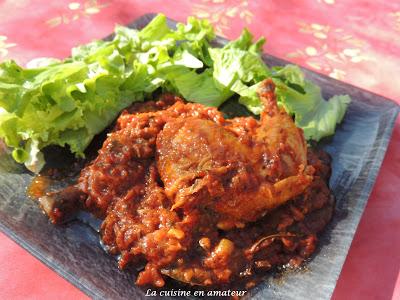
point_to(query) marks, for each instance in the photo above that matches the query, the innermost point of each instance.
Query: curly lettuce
(66, 103)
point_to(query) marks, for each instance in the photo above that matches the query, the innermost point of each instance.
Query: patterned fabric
(354, 41)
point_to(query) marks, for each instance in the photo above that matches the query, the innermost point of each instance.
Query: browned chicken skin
(203, 163)
(171, 174)
(125, 153)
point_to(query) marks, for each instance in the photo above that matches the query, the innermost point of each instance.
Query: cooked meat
(202, 199)
(123, 160)
(203, 163)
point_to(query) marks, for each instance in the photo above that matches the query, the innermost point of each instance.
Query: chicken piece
(126, 153)
(171, 174)
(203, 163)
(124, 157)
(284, 143)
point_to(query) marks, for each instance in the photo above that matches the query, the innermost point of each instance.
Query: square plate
(357, 149)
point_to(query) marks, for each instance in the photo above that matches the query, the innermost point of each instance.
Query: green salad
(68, 102)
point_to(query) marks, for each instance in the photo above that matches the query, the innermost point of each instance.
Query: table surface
(354, 41)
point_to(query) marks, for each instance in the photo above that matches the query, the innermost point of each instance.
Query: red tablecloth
(354, 41)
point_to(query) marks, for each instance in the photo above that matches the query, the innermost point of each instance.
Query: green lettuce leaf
(315, 115)
(302, 99)
(200, 88)
(66, 103)
(239, 61)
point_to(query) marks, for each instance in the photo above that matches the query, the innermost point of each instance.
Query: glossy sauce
(123, 187)
(38, 186)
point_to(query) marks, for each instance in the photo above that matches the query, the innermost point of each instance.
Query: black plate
(74, 252)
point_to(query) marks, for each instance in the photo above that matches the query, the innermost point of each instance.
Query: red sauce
(124, 187)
